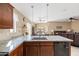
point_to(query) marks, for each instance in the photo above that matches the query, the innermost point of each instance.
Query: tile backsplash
(5, 34)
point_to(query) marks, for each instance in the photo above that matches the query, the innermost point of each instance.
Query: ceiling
(56, 11)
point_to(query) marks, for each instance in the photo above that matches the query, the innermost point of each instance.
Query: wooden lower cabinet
(42, 48)
(46, 48)
(46, 51)
(18, 51)
(13, 53)
(30, 48)
(32, 51)
(38, 49)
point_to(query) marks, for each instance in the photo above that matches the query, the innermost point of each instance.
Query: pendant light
(46, 18)
(40, 16)
(32, 12)
(47, 10)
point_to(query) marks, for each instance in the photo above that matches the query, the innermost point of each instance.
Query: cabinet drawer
(46, 43)
(31, 43)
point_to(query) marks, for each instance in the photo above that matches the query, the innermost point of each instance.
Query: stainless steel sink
(39, 38)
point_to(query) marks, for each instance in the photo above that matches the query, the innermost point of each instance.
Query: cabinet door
(21, 50)
(62, 49)
(13, 53)
(31, 48)
(1, 15)
(7, 16)
(32, 51)
(18, 51)
(46, 49)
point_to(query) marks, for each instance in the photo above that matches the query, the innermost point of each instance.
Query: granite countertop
(9, 45)
(50, 38)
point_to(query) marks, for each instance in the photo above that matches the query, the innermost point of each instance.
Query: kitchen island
(49, 46)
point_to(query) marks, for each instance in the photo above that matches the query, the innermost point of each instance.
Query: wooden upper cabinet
(6, 16)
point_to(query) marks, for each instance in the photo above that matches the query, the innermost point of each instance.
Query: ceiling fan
(71, 19)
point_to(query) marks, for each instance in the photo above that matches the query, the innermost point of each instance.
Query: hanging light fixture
(47, 10)
(44, 19)
(32, 12)
(41, 19)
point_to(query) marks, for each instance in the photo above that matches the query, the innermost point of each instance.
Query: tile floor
(74, 51)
